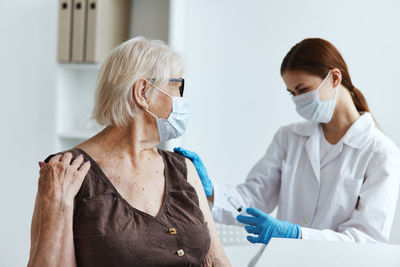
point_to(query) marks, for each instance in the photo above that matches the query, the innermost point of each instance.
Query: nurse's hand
(264, 227)
(201, 169)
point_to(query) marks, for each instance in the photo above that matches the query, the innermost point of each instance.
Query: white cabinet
(74, 103)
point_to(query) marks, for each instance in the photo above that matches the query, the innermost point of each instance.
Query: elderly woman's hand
(52, 242)
(60, 180)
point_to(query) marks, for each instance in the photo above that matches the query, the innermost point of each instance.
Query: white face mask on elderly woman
(175, 125)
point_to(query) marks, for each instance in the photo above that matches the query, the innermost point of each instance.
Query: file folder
(64, 30)
(79, 30)
(107, 27)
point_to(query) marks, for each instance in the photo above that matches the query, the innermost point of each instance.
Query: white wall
(233, 53)
(27, 69)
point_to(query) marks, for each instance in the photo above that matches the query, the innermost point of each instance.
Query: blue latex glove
(265, 227)
(201, 170)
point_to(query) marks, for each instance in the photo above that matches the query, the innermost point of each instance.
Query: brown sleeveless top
(108, 231)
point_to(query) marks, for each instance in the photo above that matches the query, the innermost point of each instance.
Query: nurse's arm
(216, 255)
(261, 188)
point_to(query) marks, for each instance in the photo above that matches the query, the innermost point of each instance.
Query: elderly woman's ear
(139, 93)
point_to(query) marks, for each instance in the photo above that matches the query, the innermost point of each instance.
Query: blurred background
(232, 50)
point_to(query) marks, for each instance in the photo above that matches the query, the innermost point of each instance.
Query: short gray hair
(134, 59)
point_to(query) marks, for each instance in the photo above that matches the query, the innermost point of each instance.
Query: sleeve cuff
(221, 210)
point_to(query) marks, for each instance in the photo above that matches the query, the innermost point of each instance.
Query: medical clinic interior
(200, 133)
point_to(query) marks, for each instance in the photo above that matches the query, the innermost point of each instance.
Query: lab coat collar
(306, 128)
(355, 136)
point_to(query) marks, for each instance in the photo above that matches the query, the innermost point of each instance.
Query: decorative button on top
(180, 252)
(172, 231)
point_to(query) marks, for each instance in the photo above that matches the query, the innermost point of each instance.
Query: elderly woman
(115, 199)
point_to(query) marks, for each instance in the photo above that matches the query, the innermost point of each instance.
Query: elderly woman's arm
(216, 255)
(51, 230)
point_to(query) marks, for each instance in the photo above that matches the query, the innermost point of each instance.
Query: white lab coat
(351, 198)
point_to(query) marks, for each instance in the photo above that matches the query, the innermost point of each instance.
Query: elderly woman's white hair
(132, 60)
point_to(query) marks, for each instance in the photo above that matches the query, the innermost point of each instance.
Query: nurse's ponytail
(317, 56)
(359, 100)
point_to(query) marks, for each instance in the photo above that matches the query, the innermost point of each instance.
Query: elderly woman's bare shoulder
(192, 175)
(216, 255)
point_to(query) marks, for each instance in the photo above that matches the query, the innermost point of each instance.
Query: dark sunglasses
(179, 80)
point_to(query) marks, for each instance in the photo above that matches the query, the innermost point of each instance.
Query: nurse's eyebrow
(298, 86)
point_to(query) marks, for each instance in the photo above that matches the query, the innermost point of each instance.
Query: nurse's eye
(302, 90)
(290, 92)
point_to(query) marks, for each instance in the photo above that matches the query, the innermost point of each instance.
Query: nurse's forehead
(290, 75)
(292, 78)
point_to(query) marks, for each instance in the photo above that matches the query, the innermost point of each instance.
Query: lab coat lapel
(312, 148)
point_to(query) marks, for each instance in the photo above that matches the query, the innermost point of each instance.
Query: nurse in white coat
(334, 177)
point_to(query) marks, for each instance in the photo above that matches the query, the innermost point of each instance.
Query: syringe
(235, 204)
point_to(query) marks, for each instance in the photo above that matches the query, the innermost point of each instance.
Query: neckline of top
(126, 203)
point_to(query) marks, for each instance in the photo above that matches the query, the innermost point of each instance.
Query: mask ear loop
(160, 91)
(335, 88)
(319, 87)
(163, 92)
(151, 113)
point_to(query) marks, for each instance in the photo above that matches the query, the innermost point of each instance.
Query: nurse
(334, 177)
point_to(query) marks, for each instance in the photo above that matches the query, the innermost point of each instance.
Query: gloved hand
(201, 170)
(265, 227)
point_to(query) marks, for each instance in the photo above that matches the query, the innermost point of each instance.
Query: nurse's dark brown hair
(317, 56)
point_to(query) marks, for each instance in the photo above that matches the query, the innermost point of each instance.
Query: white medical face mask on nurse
(175, 125)
(312, 108)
